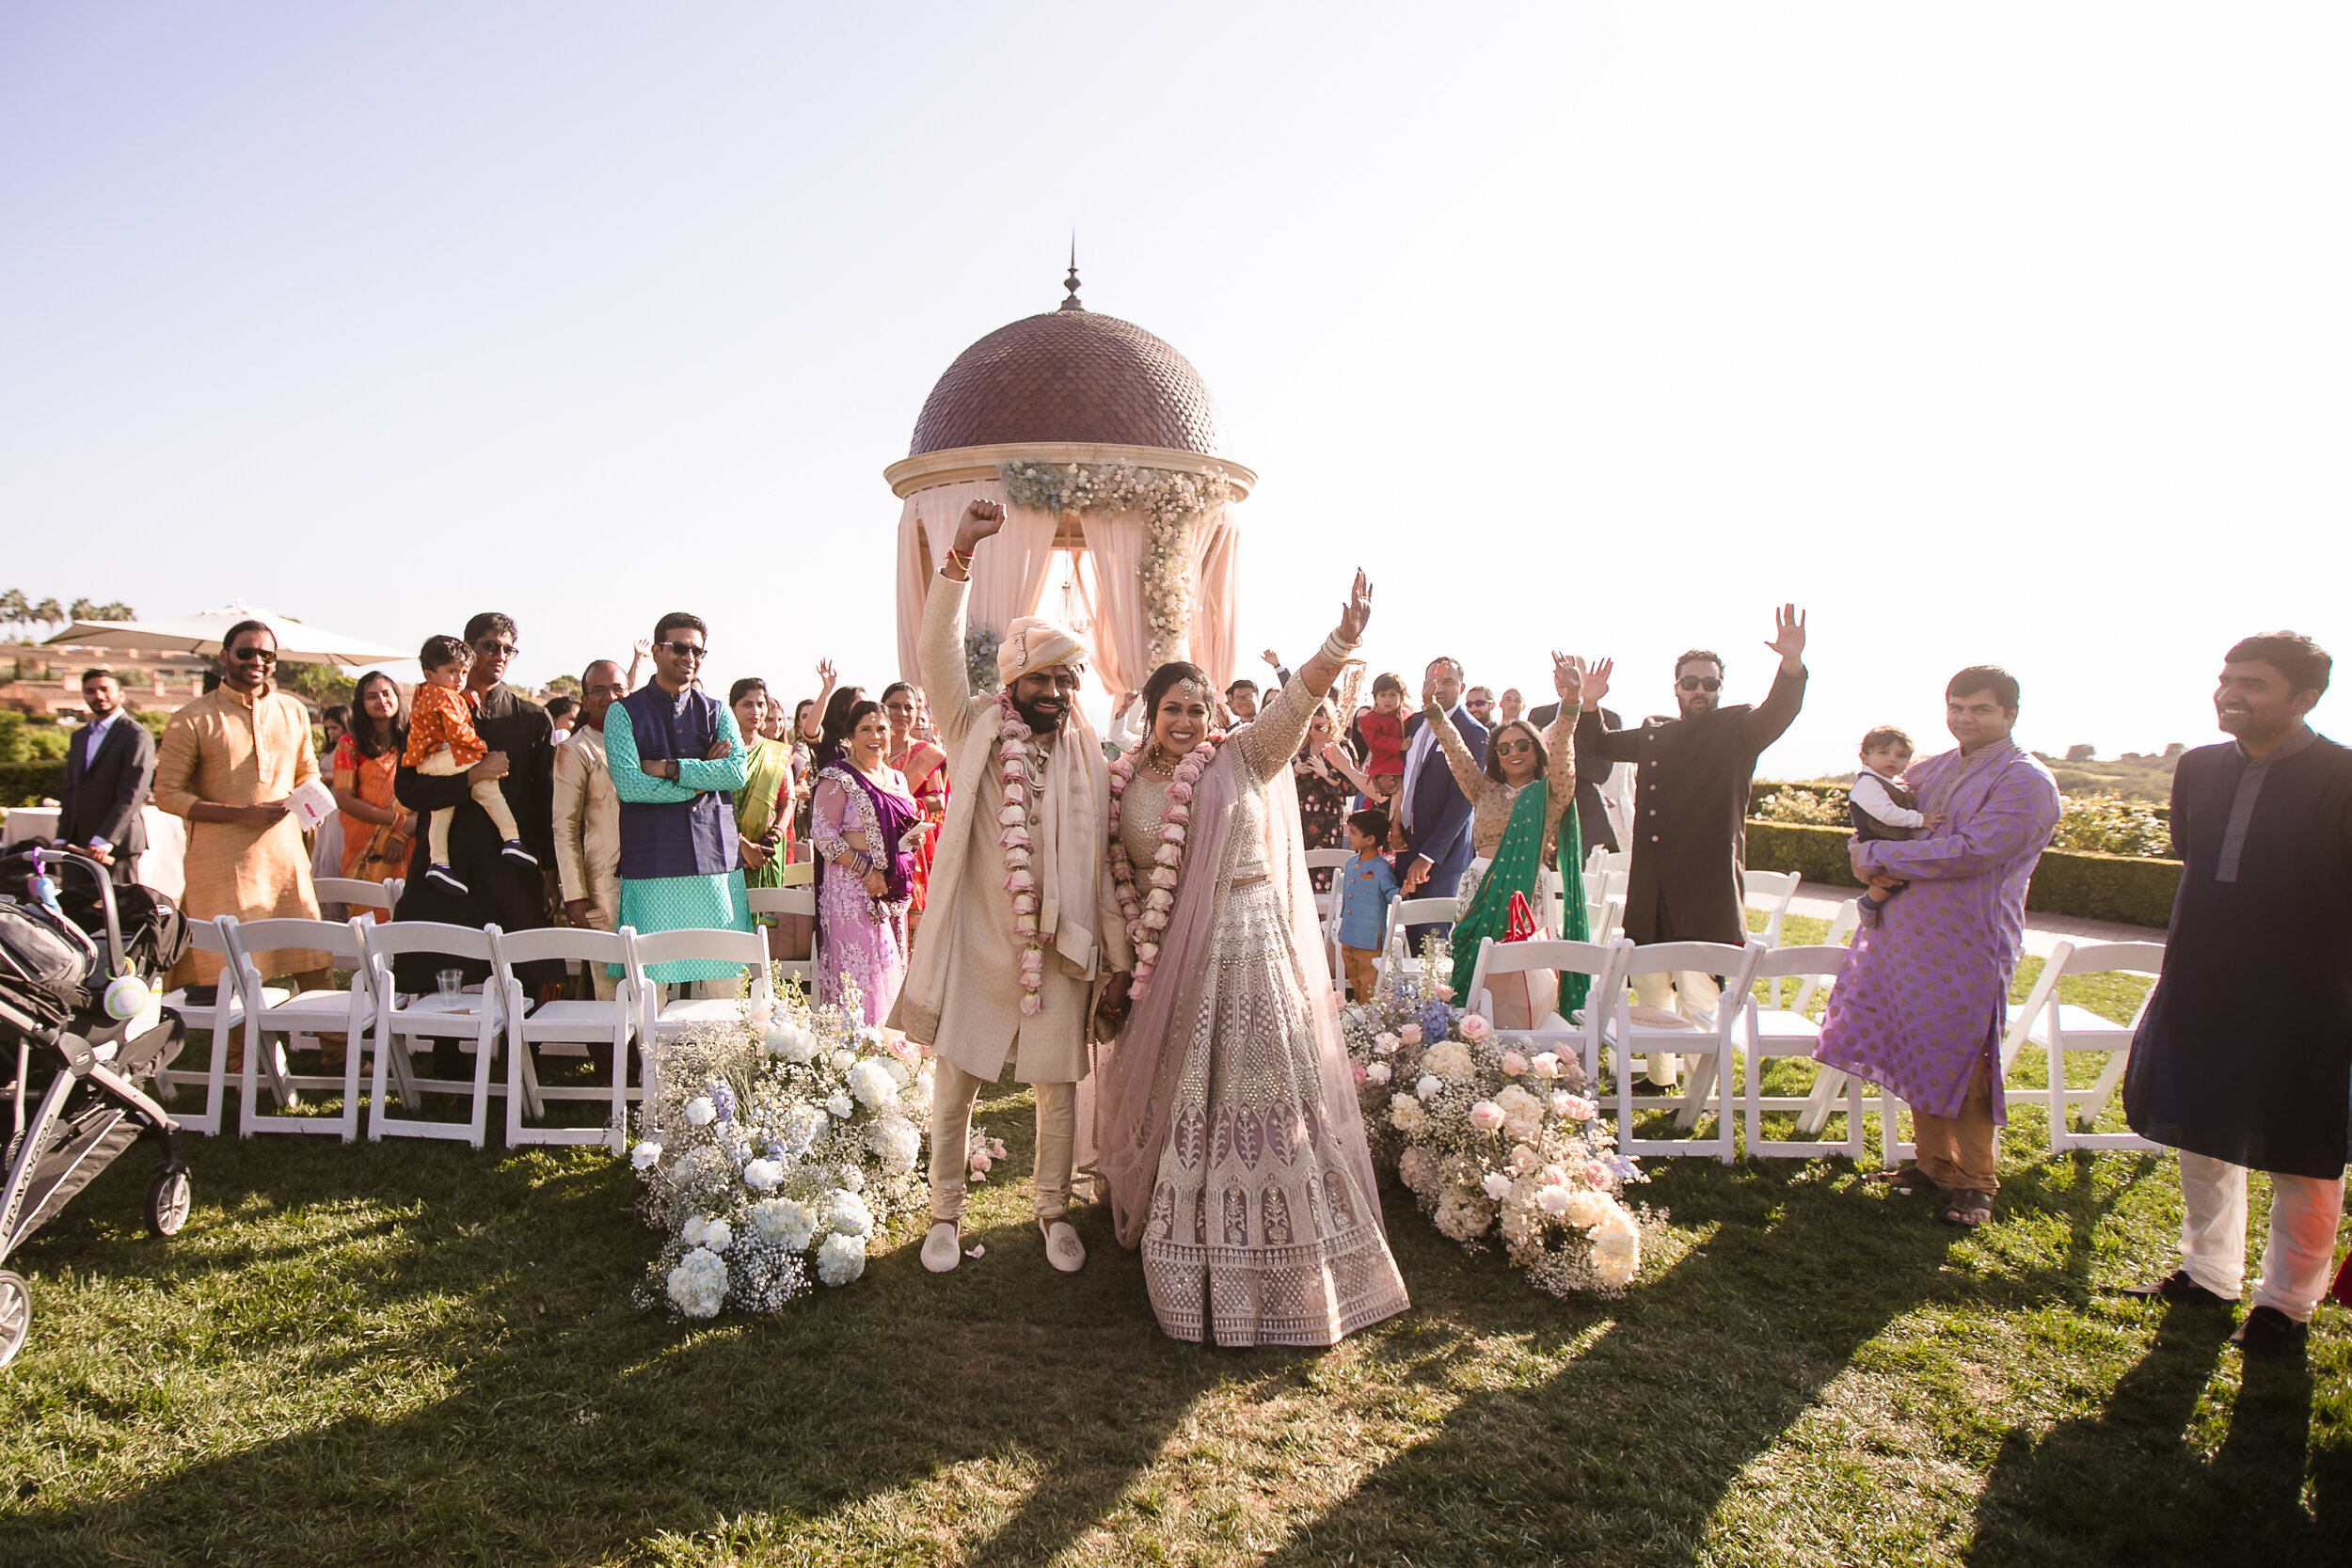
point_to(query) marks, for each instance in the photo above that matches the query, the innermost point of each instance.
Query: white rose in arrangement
(872, 1083)
(1448, 1059)
(841, 1259)
(645, 1155)
(873, 1039)
(699, 1284)
(1405, 1114)
(700, 1111)
(846, 1214)
(795, 1045)
(691, 1231)
(1498, 1186)
(781, 1222)
(1546, 1064)
(1385, 1045)
(717, 1235)
(1429, 1086)
(1377, 1073)
(839, 1105)
(1552, 1200)
(761, 1176)
(1585, 1208)
(842, 1061)
(896, 1143)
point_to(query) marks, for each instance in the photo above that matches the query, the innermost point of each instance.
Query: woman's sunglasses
(1513, 748)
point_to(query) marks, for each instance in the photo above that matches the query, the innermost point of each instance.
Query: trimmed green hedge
(26, 783)
(2120, 888)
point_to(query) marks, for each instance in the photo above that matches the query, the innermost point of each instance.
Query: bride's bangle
(1335, 650)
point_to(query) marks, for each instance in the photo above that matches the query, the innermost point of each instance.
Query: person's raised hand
(1274, 660)
(1126, 700)
(980, 521)
(1357, 613)
(1595, 682)
(1567, 676)
(492, 766)
(1788, 637)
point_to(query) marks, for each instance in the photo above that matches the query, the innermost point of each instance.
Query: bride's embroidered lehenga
(1229, 1137)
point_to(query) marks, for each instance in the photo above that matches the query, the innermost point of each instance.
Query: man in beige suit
(1023, 922)
(588, 816)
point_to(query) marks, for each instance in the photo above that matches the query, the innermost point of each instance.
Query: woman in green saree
(763, 808)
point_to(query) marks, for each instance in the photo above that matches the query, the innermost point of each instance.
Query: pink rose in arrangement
(1545, 1065)
(1476, 1028)
(1180, 792)
(1513, 1065)
(1596, 1174)
(1486, 1115)
(1358, 1069)
(1410, 1033)
(1445, 992)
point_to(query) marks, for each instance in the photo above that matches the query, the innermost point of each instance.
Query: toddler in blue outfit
(1366, 888)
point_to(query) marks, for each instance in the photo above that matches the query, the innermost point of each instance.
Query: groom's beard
(1046, 718)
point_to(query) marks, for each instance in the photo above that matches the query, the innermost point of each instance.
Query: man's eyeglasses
(1513, 748)
(250, 656)
(685, 650)
(1700, 683)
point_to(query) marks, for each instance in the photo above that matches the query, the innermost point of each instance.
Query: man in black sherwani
(1688, 830)
(2244, 1056)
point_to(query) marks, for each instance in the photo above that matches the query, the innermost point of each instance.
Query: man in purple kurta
(1920, 1008)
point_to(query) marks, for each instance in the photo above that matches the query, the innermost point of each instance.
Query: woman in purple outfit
(862, 821)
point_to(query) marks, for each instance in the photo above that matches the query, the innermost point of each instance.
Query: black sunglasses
(1700, 683)
(1512, 747)
(685, 650)
(248, 655)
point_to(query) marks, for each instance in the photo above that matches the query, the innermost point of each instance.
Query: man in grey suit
(110, 768)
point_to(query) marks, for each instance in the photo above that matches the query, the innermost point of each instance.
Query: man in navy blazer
(1435, 813)
(109, 769)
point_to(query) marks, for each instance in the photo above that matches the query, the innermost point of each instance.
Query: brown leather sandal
(1967, 1210)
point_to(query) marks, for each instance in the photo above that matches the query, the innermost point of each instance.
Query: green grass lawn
(413, 1353)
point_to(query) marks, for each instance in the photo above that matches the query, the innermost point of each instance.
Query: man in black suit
(110, 768)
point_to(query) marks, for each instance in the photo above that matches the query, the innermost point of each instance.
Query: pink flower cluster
(1147, 917)
(1012, 837)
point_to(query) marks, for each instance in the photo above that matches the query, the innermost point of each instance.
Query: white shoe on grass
(943, 1248)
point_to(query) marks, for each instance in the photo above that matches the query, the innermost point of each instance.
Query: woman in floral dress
(864, 825)
(1323, 793)
(1227, 1123)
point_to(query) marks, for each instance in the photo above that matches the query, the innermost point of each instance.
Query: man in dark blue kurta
(677, 759)
(2244, 1057)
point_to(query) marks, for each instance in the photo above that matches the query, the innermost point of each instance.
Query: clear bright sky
(2002, 333)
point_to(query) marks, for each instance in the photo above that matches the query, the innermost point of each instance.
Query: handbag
(1525, 999)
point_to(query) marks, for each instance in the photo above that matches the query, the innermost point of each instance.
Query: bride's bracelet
(1335, 650)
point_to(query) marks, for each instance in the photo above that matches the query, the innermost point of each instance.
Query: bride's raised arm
(1271, 739)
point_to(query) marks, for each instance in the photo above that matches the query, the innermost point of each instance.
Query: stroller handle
(38, 860)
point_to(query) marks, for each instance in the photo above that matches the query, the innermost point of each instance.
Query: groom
(1022, 918)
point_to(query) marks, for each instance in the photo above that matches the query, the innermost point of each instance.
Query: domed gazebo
(1110, 457)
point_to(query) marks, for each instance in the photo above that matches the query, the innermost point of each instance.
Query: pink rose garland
(1012, 837)
(1147, 918)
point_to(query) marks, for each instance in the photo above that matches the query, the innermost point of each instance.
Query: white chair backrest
(341, 939)
(352, 893)
(1771, 892)
(1601, 861)
(800, 899)
(1326, 860)
(1813, 966)
(2107, 957)
(800, 874)
(1845, 922)
(565, 943)
(387, 941)
(1414, 912)
(747, 948)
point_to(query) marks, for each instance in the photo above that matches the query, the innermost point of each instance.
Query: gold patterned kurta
(231, 749)
(1259, 1233)
(588, 828)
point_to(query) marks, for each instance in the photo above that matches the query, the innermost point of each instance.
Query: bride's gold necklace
(1159, 770)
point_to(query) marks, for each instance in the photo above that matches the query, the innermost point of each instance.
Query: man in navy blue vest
(1435, 812)
(676, 760)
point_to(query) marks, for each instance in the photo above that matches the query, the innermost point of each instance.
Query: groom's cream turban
(1036, 643)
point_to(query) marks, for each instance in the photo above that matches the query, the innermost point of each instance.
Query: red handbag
(1524, 1000)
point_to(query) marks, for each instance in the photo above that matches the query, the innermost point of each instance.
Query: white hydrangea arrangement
(777, 1150)
(1491, 1140)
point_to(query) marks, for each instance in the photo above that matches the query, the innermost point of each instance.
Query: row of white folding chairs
(373, 1016)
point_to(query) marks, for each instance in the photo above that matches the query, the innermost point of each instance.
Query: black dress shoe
(2178, 1287)
(2270, 1335)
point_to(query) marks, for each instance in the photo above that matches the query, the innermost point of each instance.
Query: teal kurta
(648, 904)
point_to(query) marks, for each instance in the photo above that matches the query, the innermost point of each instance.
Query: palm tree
(15, 608)
(114, 610)
(49, 613)
(82, 610)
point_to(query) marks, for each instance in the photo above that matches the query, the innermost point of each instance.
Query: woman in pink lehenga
(862, 822)
(1227, 1126)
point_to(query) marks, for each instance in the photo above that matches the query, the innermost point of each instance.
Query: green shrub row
(27, 783)
(2130, 889)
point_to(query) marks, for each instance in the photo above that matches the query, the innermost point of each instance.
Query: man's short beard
(1040, 723)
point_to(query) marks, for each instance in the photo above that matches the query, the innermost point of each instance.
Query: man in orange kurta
(227, 763)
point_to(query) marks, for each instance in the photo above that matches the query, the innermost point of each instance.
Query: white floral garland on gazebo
(1172, 500)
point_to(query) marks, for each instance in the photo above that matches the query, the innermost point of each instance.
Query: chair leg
(486, 1052)
(517, 1054)
(377, 1100)
(2060, 1138)
(2086, 1111)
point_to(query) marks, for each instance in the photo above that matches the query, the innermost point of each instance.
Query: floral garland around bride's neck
(1012, 766)
(1147, 918)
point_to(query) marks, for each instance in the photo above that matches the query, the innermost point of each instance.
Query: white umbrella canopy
(297, 641)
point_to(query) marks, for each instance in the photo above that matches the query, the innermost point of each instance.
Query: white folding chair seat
(2061, 1028)
(1603, 962)
(1413, 912)
(301, 1018)
(566, 1028)
(1710, 1050)
(656, 1017)
(219, 1018)
(795, 897)
(1771, 891)
(476, 1017)
(1765, 1032)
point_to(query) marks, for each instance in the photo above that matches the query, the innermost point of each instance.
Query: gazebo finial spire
(1070, 301)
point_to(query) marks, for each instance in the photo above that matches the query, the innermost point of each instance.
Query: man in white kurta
(964, 995)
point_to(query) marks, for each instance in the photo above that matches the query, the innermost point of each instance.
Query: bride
(1228, 1132)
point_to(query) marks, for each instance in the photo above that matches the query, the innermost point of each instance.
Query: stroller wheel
(16, 1315)
(168, 1203)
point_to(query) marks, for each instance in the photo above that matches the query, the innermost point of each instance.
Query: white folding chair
(354, 894)
(1603, 962)
(219, 1018)
(1326, 860)
(1601, 861)
(2061, 1027)
(1829, 1084)
(563, 1028)
(656, 1017)
(475, 1017)
(1709, 1048)
(302, 1017)
(1771, 892)
(1773, 1031)
(791, 898)
(1413, 912)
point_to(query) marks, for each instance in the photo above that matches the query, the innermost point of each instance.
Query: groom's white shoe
(1062, 1247)
(942, 1249)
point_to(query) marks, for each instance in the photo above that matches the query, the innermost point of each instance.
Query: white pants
(2295, 1261)
(1687, 994)
(953, 1092)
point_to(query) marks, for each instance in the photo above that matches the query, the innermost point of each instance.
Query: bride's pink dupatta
(1138, 1080)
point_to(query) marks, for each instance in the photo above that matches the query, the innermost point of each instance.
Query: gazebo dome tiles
(1071, 375)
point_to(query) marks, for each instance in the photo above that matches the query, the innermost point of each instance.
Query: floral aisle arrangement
(1491, 1141)
(1172, 502)
(777, 1148)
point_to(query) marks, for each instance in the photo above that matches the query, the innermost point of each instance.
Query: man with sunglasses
(227, 763)
(1689, 810)
(500, 891)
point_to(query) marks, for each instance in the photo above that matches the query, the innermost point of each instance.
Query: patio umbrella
(297, 641)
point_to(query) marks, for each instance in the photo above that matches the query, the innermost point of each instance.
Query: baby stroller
(76, 957)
